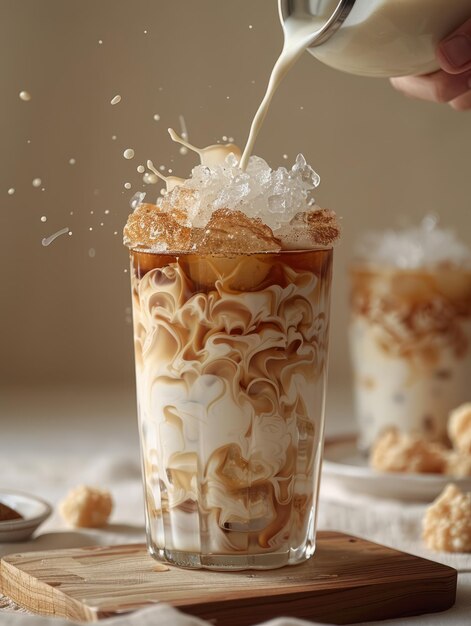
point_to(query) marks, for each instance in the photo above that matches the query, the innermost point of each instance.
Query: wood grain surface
(348, 580)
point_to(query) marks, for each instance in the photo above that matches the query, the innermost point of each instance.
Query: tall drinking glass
(231, 358)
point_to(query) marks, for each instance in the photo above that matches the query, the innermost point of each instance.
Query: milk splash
(48, 240)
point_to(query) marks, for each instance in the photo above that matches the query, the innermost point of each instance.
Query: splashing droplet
(150, 178)
(100, 41)
(128, 153)
(116, 99)
(183, 128)
(11, 191)
(25, 96)
(36, 182)
(48, 240)
(184, 134)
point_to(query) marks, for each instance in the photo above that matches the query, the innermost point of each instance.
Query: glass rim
(229, 255)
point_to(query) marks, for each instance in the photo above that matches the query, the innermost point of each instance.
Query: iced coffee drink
(231, 276)
(410, 331)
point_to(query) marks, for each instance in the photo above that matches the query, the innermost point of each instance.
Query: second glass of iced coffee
(231, 285)
(410, 331)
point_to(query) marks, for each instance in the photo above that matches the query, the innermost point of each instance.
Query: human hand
(452, 83)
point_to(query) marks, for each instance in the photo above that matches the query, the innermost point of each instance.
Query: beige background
(64, 316)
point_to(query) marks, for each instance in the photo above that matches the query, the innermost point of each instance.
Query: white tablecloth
(49, 461)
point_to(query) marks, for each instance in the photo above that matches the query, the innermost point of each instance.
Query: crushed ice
(274, 196)
(426, 245)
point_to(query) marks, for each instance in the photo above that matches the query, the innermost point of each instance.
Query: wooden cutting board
(348, 580)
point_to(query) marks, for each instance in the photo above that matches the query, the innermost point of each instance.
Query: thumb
(454, 52)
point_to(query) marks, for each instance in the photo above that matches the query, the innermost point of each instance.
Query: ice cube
(259, 170)
(232, 160)
(137, 199)
(277, 204)
(234, 194)
(307, 174)
(240, 273)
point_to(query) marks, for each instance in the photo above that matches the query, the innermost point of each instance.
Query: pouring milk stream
(366, 37)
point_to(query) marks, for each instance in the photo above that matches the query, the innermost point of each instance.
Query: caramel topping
(323, 226)
(232, 232)
(149, 227)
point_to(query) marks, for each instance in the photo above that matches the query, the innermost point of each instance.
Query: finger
(463, 103)
(454, 52)
(437, 87)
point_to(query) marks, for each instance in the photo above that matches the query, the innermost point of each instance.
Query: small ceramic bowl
(34, 512)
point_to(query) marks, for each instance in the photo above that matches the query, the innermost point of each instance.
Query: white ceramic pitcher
(375, 37)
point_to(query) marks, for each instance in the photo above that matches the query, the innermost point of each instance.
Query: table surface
(54, 439)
